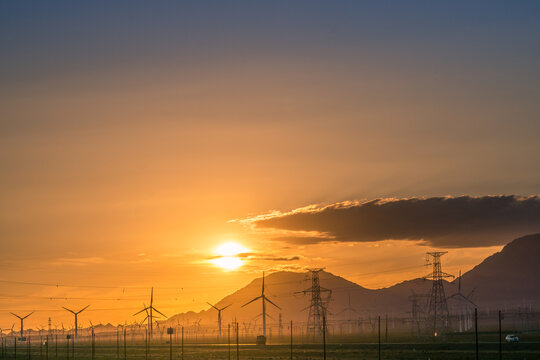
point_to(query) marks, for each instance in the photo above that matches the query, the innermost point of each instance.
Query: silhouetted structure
(76, 313)
(350, 310)
(438, 316)
(219, 315)
(417, 312)
(22, 321)
(465, 307)
(149, 314)
(264, 299)
(317, 308)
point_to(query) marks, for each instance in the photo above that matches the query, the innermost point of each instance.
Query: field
(458, 348)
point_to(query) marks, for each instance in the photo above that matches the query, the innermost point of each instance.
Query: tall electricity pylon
(264, 299)
(417, 313)
(318, 307)
(76, 313)
(22, 321)
(219, 315)
(438, 316)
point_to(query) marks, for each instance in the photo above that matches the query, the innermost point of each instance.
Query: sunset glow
(228, 262)
(190, 147)
(228, 258)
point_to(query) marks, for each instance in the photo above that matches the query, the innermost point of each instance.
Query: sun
(228, 262)
(227, 256)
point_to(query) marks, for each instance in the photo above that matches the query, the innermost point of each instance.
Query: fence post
(237, 344)
(324, 336)
(170, 343)
(93, 345)
(386, 329)
(379, 320)
(291, 339)
(500, 336)
(476, 330)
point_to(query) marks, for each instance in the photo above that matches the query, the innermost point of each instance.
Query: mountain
(508, 278)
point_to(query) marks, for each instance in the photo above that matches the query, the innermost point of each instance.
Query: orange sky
(126, 153)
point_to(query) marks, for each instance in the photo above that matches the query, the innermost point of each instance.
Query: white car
(511, 339)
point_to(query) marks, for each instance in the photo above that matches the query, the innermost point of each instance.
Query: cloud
(258, 256)
(79, 261)
(446, 222)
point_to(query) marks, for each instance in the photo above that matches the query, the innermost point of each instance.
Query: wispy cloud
(79, 261)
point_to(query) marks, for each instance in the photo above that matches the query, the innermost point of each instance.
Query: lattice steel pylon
(318, 307)
(437, 316)
(417, 313)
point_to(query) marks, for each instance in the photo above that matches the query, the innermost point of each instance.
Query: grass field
(444, 351)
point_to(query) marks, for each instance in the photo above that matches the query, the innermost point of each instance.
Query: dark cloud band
(448, 222)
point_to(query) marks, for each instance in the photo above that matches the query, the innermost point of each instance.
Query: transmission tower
(438, 316)
(318, 307)
(417, 312)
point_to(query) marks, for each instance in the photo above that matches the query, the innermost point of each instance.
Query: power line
(82, 286)
(58, 285)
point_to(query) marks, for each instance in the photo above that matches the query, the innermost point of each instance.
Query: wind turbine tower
(76, 313)
(22, 321)
(219, 315)
(264, 300)
(149, 310)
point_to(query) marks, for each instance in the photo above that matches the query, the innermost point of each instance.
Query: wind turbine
(76, 313)
(149, 311)
(463, 302)
(22, 321)
(264, 299)
(219, 315)
(460, 295)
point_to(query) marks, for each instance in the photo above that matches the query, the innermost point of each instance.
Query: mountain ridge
(491, 282)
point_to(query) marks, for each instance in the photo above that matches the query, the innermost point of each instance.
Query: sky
(137, 137)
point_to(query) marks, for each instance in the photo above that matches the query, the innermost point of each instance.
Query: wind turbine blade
(257, 298)
(80, 311)
(15, 315)
(28, 315)
(270, 301)
(212, 306)
(156, 310)
(223, 308)
(138, 312)
(71, 311)
(151, 296)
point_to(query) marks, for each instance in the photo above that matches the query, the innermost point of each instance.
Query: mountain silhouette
(507, 279)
